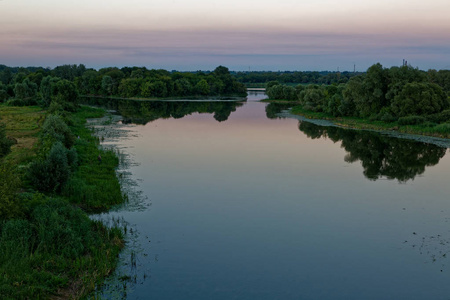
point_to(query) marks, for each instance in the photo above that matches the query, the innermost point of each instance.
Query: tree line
(29, 86)
(295, 77)
(386, 94)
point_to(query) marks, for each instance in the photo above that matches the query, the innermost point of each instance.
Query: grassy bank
(94, 185)
(427, 128)
(49, 247)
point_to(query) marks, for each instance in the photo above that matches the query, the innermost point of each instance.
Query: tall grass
(56, 246)
(94, 185)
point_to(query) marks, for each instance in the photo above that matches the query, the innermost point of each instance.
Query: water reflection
(142, 112)
(273, 109)
(380, 155)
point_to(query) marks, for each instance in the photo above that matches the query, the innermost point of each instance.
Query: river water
(237, 203)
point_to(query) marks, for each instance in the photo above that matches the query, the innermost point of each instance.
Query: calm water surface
(243, 206)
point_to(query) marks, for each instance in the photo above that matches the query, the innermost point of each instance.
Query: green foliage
(57, 243)
(281, 92)
(56, 130)
(93, 185)
(26, 90)
(3, 92)
(107, 85)
(51, 173)
(443, 128)
(47, 90)
(66, 94)
(441, 117)
(130, 87)
(46, 244)
(271, 84)
(5, 142)
(411, 120)
(9, 185)
(202, 87)
(419, 99)
(313, 98)
(154, 89)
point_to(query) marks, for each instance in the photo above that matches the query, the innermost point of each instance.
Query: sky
(255, 35)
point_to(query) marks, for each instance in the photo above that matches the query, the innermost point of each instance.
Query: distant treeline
(34, 85)
(295, 77)
(385, 94)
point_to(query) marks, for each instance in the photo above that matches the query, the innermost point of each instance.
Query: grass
(22, 124)
(94, 185)
(49, 247)
(56, 252)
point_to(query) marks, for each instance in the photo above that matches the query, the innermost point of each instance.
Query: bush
(5, 142)
(57, 244)
(56, 130)
(441, 117)
(49, 175)
(387, 117)
(411, 120)
(21, 102)
(443, 128)
(9, 184)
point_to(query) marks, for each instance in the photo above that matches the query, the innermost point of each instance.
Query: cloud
(186, 49)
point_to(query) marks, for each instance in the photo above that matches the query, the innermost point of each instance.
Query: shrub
(21, 102)
(441, 117)
(16, 235)
(387, 117)
(9, 184)
(56, 130)
(443, 128)
(5, 142)
(411, 120)
(419, 99)
(49, 175)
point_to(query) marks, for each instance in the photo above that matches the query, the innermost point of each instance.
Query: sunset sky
(240, 34)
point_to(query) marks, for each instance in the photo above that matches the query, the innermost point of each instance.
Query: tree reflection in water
(142, 112)
(380, 155)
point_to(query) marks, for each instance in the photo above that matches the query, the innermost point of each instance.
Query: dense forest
(294, 77)
(404, 94)
(27, 86)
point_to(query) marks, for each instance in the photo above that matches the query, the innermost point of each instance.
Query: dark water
(244, 205)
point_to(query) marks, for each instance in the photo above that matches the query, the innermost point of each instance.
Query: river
(234, 202)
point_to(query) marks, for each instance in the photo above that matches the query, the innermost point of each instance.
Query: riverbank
(49, 247)
(415, 132)
(427, 128)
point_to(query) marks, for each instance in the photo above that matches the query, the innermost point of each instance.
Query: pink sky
(200, 34)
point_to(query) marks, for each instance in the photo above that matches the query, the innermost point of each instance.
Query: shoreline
(442, 142)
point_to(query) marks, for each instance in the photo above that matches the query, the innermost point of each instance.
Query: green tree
(374, 88)
(66, 94)
(25, 90)
(47, 89)
(130, 87)
(420, 99)
(202, 87)
(107, 85)
(50, 174)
